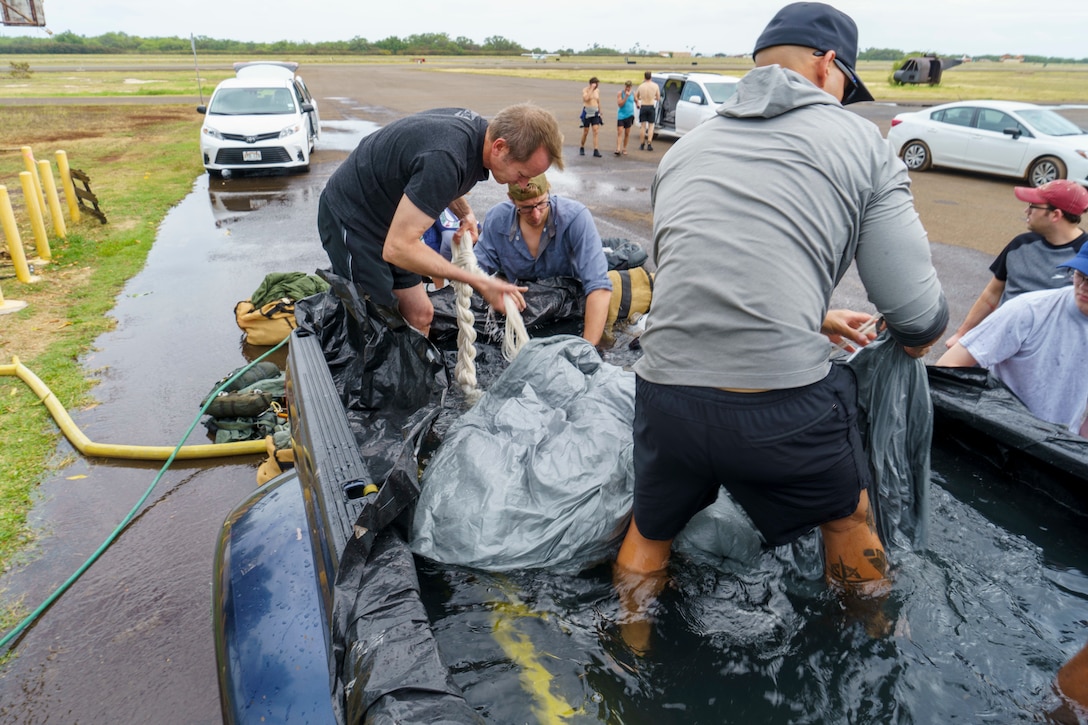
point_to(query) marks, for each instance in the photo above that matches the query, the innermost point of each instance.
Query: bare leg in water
(1073, 685)
(855, 566)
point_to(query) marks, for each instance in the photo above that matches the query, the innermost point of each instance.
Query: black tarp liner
(394, 388)
(555, 304)
(386, 667)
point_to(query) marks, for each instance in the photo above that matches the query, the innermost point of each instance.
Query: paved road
(131, 642)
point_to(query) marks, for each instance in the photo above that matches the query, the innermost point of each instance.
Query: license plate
(251, 156)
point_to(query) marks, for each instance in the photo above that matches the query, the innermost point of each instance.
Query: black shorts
(646, 114)
(594, 120)
(793, 459)
(360, 259)
(625, 122)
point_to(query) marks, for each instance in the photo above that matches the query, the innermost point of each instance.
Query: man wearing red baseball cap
(1028, 262)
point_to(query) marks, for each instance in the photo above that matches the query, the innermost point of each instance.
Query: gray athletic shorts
(793, 459)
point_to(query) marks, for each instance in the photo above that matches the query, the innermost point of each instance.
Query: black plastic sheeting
(386, 666)
(393, 383)
(978, 411)
(553, 304)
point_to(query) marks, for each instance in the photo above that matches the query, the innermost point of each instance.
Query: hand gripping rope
(514, 338)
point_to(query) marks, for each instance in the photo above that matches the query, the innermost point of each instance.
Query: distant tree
(499, 44)
(467, 44)
(392, 44)
(359, 44)
(880, 54)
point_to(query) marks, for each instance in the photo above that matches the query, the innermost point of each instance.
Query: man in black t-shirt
(1029, 262)
(388, 192)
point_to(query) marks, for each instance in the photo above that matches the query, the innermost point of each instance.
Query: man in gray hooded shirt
(758, 213)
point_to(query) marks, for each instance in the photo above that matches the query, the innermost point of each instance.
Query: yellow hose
(109, 450)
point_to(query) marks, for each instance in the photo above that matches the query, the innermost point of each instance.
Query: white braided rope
(514, 338)
(464, 372)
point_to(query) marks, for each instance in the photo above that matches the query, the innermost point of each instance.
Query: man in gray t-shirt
(1029, 261)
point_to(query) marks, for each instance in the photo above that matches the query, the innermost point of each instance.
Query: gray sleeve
(894, 262)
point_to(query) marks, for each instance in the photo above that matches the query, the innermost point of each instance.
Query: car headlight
(209, 131)
(291, 130)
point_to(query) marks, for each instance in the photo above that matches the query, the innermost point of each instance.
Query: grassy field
(176, 75)
(142, 160)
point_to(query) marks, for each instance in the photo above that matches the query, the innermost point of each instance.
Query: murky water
(974, 631)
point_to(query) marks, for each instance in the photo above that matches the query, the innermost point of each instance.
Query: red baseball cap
(1069, 196)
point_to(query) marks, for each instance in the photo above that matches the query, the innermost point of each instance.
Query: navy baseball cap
(823, 28)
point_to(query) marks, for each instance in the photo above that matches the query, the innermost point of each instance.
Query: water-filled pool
(975, 628)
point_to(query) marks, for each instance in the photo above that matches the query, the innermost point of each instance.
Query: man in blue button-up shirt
(536, 235)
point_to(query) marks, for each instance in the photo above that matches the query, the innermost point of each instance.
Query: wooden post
(50, 188)
(34, 208)
(69, 187)
(15, 242)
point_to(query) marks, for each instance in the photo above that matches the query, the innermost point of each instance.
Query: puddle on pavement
(344, 135)
(139, 617)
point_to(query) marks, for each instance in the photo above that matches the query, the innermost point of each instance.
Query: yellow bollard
(32, 167)
(69, 187)
(34, 208)
(51, 197)
(15, 242)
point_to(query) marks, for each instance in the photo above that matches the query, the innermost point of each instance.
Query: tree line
(420, 44)
(414, 45)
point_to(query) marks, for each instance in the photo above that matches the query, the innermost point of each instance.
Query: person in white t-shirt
(1036, 344)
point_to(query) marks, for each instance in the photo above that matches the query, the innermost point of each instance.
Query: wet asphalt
(131, 641)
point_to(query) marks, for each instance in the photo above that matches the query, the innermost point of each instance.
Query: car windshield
(1050, 123)
(252, 102)
(719, 92)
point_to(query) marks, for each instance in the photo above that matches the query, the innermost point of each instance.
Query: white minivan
(263, 118)
(688, 99)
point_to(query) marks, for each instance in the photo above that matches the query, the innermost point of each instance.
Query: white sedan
(1021, 140)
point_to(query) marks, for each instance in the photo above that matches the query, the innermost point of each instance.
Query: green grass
(68, 308)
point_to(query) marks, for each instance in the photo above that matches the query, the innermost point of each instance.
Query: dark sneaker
(581, 152)
(596, 153)
(649, 147)
(642, 146)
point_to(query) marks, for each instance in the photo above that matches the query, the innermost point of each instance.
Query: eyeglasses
(851, 79)
(1037, 206)
(541, 206)
(1079, 278)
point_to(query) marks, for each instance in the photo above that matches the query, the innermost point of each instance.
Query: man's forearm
(596, 315)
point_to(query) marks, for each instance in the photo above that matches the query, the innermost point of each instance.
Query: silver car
(1021, 140)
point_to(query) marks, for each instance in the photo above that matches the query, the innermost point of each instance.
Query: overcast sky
(705, 26)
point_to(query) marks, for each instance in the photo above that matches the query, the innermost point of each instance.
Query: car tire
(1044, 169)
(916, 156)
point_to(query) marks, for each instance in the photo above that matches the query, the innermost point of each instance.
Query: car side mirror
(307, 108)
(201, 109)
(697, 100)
(1014, 132)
